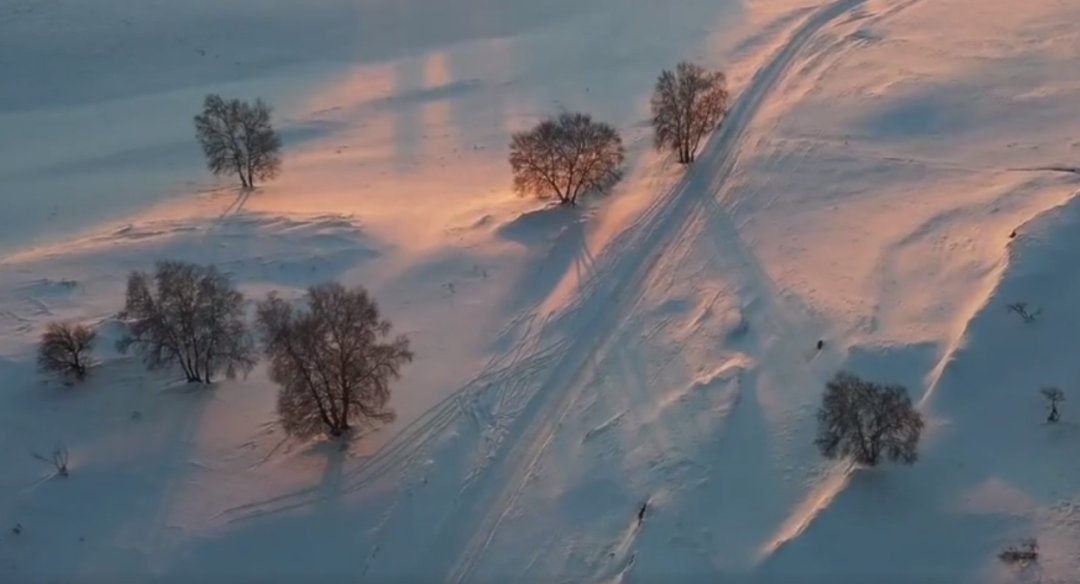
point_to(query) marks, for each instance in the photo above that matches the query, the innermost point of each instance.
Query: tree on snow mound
(867, 421)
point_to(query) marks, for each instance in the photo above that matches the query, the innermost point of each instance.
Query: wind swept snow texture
(885, 182)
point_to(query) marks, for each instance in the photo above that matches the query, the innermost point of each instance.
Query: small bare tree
(237, 136)
(687, 105)
(65, 349)
(866, 420)
(1021, 310)
(334, 360)
(58, 459)
(566, 158)
(191, 316)
(1022, 554)
(1055, 396)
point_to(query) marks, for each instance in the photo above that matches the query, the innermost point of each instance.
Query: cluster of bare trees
(571, 155)
(565, 157)
(334, 358)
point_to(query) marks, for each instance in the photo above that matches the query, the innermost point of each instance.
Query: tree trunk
(345, 410)
(80, 370)
(243, 178)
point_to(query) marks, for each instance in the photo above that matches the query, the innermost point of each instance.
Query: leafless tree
(566, 157)
(65, 349)
(237, 136)
(59, 460)
(687, 105)
(1055, 396)
(1023, 554)
(191, 316)
(334, 360)
(1021, 309)
(866, 420)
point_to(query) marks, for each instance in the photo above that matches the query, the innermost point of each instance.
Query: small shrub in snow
(191, 316)
(1055, 396)
(867, 421)
(1021, 310)
(65, 349)
(687, 105)
(59, 460)
(1023, 554)
(334, 360)
(566, 158)
(237, 136)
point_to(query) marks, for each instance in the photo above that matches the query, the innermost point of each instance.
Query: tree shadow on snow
(133, 456)
(322, 539)
(554, 237)
(889, 526)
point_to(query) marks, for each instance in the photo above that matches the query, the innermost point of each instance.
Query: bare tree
(687, 105)
(191, 316)
(237, 136)
(334, 360)
(65, 349)
(866, 420)
(58, 459)
(1055, 396)
(1023, 554)
(566, 157)
(1021, 310)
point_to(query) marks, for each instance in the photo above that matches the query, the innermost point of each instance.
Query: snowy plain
(885, 182)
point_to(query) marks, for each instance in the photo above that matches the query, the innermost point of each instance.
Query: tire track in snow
(612, 289)
(502, 371)
(594, 316)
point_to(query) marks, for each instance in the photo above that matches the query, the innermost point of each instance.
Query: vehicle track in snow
(613, 287)
(542, 374)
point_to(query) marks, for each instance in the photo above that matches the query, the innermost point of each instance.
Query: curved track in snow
(539, 380)
(614, 286)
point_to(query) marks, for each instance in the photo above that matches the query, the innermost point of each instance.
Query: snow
(892, 175)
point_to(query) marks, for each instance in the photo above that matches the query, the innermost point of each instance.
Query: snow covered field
(656, 345)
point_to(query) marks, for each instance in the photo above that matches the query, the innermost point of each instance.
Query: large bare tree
(191, 316)
(65, 349)
(687, 105)
(866, 421)
(238, 137)
(566, 157)
(334, 359)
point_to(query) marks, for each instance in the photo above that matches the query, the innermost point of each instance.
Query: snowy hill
(884, 182)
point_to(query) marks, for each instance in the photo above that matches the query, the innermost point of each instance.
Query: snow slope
(655, 348)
